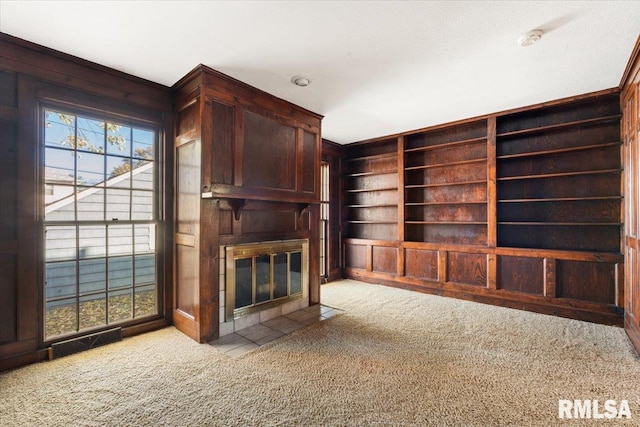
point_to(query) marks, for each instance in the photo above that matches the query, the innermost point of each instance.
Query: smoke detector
(530, 38)
(300, 81)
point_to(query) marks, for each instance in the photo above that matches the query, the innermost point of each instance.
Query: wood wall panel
(9, 300)
(586, 281)
(355, 256)
(384, 259)
(270, 147)
(226, 222)
(8, 185)
(268, 221)
(521, 274)
(187, 188)
(186, 279)
(222, 143)
(465, 268)
(309, 162)
(422, 264)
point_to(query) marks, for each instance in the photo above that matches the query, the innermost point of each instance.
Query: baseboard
(86, 342)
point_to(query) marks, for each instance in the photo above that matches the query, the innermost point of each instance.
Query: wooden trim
(620, 285)
(549, 286)
(633, 332)
(142, 328)
(443, 275)
(238, 142)
(369, 260)
(8, 247)
(492, 216)
(22, 359)
(633, 61)
(401, 263)
(401, 205)
(492, 271)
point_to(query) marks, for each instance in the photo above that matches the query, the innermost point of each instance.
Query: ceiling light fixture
(300, 81)
(530, 38)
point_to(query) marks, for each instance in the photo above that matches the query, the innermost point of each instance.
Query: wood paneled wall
(520, 209)
(29, 75)
(247, 170)
(333, 155)
(630, 104)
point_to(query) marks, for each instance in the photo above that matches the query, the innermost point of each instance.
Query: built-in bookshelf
(558, 177)
(371, 182)
(445, 183)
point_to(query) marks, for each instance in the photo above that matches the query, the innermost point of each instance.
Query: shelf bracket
(237, 205)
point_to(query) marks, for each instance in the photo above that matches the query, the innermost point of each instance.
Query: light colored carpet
(393, 358)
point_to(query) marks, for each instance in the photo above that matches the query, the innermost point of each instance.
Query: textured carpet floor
(393, 358)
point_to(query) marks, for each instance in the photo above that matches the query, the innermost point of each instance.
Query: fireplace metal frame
(263, 248)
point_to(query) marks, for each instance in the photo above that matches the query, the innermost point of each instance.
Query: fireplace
(263, 277)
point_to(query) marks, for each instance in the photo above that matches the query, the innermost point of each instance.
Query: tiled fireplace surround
(234, 325)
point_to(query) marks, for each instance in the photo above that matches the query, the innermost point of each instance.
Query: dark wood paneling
(384, 259)
(8, 182)
(447, 213)
(563, 237)
(464, 234)
(270, 153)
(9, 300)
(421, 264)
(186, 260)
(448, 194)
(187, 188)
(447, 154)
(586, 281)
(467, 268)
(268, 221)
(443, 135)
(8, 92)
(309, 161)
(226, 222)
(222, 143)
(355, 256)
(596, 185)
(521, 274)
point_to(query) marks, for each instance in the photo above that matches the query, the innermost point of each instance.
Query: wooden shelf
(554, 175)
(440, 165)
(351, 175)
(577, 123)
(365, 190)
(446, 222)
(371, 222)
(561, 199)
(557, 150)
(444, 203)
(560, 223)
(447, 184)
(372, 206)
(374, 156)
(445, 144)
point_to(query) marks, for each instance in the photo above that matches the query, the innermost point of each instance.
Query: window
(100, 218)
(324, 219)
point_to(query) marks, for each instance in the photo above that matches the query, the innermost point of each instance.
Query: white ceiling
(377, 67)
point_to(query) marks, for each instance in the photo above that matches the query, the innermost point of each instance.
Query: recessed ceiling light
(530, 38)
(300, 81)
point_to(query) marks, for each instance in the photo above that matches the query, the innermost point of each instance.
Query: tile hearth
(247, 339)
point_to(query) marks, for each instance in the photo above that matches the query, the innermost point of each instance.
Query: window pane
(93, 276)
(295, 270)
(60, 279)
(263, 278)
(58, 127)
(244, 270)
(90, 169)
(60, 318)
(118, 139)
(145, 235)
(118, 204)
(92, 241)
(58, 166)
(143, 173)
(90, 135)
(118, 169)
(120, 272)
(145, 267)
(120, 305)
(142, 205)
(146, 304)
(90, 204)
(60, 203)
(120, 240)
(280, 271)
(93, 311)
(60, 243)
(143, 142)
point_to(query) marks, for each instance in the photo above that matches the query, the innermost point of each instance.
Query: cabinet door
(630, 132)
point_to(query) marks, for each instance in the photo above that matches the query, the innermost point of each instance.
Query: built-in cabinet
(630, 104)
(522, 209)
(247, 170)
